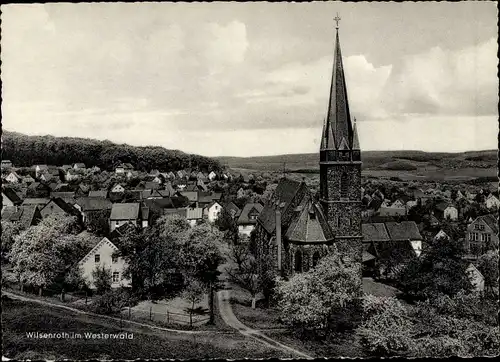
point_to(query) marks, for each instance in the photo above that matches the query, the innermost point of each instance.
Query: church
(296, 228)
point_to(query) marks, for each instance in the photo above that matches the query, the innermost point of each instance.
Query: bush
(112, 301)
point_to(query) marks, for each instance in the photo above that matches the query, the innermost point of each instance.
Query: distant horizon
(252, 78)
(231, 156)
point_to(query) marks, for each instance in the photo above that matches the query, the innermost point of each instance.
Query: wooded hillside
(25, 150)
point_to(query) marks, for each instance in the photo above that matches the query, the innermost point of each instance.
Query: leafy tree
(9, 231)
(102, 279)
(488, 266)
(43, 254)
(439, 269)
(245, 270)
(313, 301)
(193, 293)
(97, 222)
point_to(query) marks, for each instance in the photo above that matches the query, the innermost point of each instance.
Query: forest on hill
(25, 151)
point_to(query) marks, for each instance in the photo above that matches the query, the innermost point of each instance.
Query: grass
(20, 317)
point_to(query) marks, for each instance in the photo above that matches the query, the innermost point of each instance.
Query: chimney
(278, 236)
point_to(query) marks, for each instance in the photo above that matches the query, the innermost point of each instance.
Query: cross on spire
(337, 19)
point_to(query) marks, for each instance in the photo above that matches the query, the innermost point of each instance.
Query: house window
(116, 277)
(487, 237)
(97, 258)
(479, 227)
(298, 261)
(344, 185)
(114, 259)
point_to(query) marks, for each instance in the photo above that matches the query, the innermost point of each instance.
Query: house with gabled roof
(58, 206)
(212, 211)
(87, 205)
(105, 254)
(124, 213)
(118, 188)
(10, 198)
(79, 166)
(233, 210)
(481, 236)
(24, 215)
(248, 218)
(39, 169)
(492, 202)
(13, 177)
(212, 176)
(194, 215)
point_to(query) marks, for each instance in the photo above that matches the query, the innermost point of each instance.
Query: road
(226, 312)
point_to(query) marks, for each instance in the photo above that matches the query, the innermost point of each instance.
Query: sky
(250, 79)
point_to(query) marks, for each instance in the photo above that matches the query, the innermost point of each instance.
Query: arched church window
(298, 261)
(316, 257)
(344, 185)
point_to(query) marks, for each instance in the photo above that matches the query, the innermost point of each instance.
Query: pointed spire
(355, 139)
(331, 139)
(323, 136)
(338, 117)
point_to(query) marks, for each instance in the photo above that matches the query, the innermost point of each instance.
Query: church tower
(340, 166)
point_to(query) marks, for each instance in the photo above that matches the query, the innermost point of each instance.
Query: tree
(43, 254)
(245, 271)
(313, 301)
(193, 293)
(439, 269)
(200, 257)
(9, 231)
(97, 222)
(102, 279)
(488, 266)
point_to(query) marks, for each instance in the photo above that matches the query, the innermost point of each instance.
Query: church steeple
(338, 121)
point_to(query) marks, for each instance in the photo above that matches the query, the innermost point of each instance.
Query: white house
(492, 202)
(248, 218)
(441, 235)
(79, 166)
(118, 188)
(213, 211)
(100, 256)
(450, 213)
(475, 277)
(212, 175)
(13, 178)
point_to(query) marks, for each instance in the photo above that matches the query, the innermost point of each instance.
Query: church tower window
(344, 185)
(298, 261)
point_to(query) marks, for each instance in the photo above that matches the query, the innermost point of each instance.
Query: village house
(248, 218)
(481, 236)
(72, 175)
(492, 202)
(87, 205)
(441, 235)
(79, 166)
(194, 215)
(39, 169)
(233, 210)
(212, 211)
(58, 206)
(212, 176)
(10, 198)
(28, 179)
(14, 178)
(98, 193)
(24, 215)
(124, 168)
(104, 254)
(450, 213)
(118, 189)
(124, 213)
(40, 201)
(37, 189)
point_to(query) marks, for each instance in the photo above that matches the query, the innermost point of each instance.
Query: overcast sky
(247, 79)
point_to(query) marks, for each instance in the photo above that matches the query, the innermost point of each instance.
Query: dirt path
(102, 317)
(226, 312)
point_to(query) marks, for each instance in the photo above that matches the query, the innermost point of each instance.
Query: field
(406, 165)
(20, 317)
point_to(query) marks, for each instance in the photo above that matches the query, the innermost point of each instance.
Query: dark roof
(309, 224)
(374, 232)
(284, 194)
(64, 206)
(230, 206)
(491, 221)
(165, 203)
(25, 215)
(205, 197)
(99, 193)
(36, 201)
(441, 206)
(405, 230)
(126, 211)
(93, 203)
(384, 250)
(250, 208)
(375, 203)
(12, 195)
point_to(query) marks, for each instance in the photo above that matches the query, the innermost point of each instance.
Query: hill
(25, 150)
(371, 160)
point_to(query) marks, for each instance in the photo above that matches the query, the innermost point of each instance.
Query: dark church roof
(283, 195)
